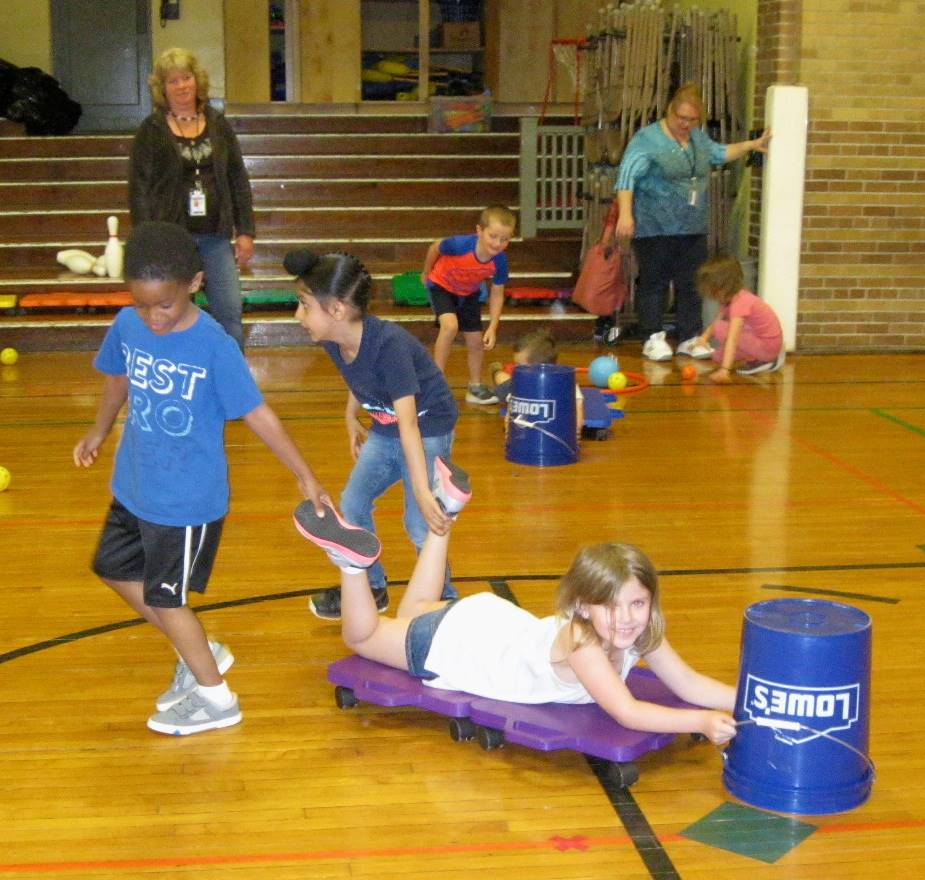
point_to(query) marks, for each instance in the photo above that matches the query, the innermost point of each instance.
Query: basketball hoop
(565, 53)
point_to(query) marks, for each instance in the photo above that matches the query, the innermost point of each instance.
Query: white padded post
(787, 115)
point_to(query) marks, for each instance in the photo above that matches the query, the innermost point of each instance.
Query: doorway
(101, 53)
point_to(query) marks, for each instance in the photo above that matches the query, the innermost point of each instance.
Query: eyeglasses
(690, 120)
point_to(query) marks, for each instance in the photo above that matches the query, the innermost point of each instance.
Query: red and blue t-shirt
(460, 271)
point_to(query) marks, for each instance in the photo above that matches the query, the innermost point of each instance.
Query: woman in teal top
(663, 194)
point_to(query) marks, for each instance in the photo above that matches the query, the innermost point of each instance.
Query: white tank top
(490, 647)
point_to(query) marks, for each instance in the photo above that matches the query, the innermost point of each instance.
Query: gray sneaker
(195, 714)
(480, 394)
(184, 682)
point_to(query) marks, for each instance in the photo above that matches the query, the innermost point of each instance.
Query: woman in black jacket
(186, 168)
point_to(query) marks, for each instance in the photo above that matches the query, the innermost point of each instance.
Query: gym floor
(805, 483)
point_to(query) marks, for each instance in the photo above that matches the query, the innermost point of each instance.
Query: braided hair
(338, 276)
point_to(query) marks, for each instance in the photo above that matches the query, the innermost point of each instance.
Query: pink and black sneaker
(348, 546)
(451, 486)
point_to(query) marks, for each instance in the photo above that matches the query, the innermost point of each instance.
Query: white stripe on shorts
(190, 558)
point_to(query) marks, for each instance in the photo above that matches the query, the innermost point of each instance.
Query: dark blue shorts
(468, 309)
(419, 638)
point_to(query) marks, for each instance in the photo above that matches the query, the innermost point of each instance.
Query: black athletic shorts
(468, 309)
(169, 560)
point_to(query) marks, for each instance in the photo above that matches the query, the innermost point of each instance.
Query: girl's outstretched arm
(596, 672)
(690, 685)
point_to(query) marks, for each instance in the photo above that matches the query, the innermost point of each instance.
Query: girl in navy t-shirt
(391, 376)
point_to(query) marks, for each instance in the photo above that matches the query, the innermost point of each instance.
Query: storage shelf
(416, 51)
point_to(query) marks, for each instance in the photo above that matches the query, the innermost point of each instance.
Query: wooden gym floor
(804, 483)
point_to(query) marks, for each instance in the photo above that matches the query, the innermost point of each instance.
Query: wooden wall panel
(247, 51)
(331, 50)
(525, 28)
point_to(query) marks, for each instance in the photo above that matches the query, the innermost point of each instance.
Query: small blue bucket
(803, 706)
(542, 423)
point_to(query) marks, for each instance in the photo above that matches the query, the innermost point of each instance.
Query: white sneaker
(692, 348)
(656, 349)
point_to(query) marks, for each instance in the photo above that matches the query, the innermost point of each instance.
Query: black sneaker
(326, 605)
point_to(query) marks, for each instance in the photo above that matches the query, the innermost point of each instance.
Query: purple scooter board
(546, 727)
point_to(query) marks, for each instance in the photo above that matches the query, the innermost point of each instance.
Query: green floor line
(902, 424)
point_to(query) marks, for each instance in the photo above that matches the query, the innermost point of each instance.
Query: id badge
(197, 202)
(692, 195)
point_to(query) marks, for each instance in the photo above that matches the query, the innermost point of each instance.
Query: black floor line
(841, 594)
(502, 583)
(648, 846)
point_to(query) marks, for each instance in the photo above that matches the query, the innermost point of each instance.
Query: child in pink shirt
(746, 327)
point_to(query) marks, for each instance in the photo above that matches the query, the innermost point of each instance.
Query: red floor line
(561, 844)
(555, 843)
(397, 514)
(852, 470)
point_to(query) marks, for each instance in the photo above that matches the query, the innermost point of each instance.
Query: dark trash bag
(36, 100)
(7, 76)
(602, 287)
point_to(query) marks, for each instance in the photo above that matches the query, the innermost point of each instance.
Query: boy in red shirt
(454, 270)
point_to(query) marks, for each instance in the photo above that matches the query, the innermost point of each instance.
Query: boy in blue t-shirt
(454, 270)
(183, 377)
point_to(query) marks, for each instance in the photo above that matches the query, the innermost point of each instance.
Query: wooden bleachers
(379, 186)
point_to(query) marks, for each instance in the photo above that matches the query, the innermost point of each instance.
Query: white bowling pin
(113, 253)
(77, 261)
(99, 266)
(61, 256)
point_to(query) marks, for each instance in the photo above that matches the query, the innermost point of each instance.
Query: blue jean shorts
(420, 637)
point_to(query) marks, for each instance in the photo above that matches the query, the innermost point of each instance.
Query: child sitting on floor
(746, 327)
(536, 347)
(608, 618)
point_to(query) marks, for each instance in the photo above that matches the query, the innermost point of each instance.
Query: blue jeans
(380, 465)
(222, 286)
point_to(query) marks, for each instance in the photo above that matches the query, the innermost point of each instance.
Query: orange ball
(689, 373)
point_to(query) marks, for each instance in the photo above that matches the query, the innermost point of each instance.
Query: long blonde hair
(177, 59)
(595, 577)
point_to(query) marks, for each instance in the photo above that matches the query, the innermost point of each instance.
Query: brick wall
(862, 277)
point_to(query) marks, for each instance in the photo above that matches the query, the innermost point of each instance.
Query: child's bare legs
(186, 634)
(363, 630)
(475, 351)
(180, 625)
(449, 327)
(379, 638)
(426, 584)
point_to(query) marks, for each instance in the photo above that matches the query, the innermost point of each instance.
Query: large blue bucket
(542, 426)
(803, 708)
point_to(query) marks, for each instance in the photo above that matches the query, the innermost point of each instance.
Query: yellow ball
(616, 381)
(9, 356)
(4, 479)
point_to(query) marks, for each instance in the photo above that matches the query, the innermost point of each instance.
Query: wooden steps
(378, 186)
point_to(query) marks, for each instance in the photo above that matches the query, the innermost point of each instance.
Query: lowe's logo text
(799, 714)
(537, 411)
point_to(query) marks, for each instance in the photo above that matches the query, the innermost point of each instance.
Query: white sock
(217, 694)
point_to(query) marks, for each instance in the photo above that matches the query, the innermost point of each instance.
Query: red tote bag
(602, 287)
